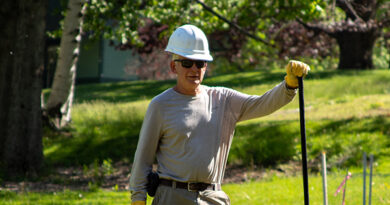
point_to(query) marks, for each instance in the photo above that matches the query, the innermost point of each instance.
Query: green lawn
(347, 113)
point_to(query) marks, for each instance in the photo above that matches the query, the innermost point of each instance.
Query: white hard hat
(190, 42)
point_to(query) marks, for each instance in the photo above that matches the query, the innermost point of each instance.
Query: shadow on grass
(345, 141)
(94, 141)
(269, 143)
(264, 144)
(122, 91)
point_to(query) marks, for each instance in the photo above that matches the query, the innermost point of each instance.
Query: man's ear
(173, 67)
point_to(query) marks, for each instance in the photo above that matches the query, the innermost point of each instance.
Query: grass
(347, 113)
(344, 140)
(65, 197)
(285, 190)
(102, 130)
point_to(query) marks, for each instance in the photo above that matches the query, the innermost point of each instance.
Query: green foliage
(119, 20)
(98, 171)
(381, 57)
(321, 64)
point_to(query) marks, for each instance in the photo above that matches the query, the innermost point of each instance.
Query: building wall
(100, 62)
(114, 63)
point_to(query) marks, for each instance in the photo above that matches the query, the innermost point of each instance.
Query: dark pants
(166, 195)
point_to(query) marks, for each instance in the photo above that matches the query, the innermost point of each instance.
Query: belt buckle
(189, 187)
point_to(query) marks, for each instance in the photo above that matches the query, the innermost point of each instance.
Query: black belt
(190, 186)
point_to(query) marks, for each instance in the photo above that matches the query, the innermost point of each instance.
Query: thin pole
(345, 186)
(324, 180)
(303, 141)
(364, 177)
(371, 164)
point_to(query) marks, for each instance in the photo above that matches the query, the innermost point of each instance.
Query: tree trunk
(356, 49)
(21, 65)
(58, 107)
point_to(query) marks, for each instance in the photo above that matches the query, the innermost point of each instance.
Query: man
(189, 128)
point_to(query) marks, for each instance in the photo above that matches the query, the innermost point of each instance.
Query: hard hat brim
(197, 56)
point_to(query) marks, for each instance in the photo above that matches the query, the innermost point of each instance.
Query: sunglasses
(189, 63)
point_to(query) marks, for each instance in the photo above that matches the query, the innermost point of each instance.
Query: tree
(229, 23)
(21, 65)
(59, 104)
(294, 41)
(356, 34)
(238, 24)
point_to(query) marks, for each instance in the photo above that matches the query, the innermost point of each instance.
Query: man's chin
(195, 81)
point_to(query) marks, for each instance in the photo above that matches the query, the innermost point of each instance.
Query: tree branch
(316, 28)
(385, 23)
(233, 24)
(345, 4)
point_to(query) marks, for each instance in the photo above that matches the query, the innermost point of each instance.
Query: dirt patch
(78, 178)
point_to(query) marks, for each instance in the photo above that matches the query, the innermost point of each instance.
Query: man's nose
(194, 68)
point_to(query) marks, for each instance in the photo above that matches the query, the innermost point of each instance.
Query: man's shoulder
(219, 90)
(167, 94)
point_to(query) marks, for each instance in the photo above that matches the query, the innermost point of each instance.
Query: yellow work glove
(138, 203)
(295, 69)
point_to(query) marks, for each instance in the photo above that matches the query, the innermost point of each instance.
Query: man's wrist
(138, 203)
(291, 88)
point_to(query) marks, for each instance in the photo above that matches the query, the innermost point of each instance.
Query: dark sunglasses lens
(199, 64)
(187, 63)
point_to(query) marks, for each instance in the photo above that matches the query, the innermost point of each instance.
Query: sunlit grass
(278, 190)
(345, 108)
(66, 197)
(289, 190)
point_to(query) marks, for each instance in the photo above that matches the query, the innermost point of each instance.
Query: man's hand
(295, 69)
(138, 203)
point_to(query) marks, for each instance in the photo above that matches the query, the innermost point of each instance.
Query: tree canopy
(120, 20)
(231, 21)
(258, 27)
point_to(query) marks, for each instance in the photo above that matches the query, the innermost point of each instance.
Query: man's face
(188, 78)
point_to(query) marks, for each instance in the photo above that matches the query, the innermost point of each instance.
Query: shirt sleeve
(246, 107)
(146, 150)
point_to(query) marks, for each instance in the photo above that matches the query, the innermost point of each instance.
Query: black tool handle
(303, 140)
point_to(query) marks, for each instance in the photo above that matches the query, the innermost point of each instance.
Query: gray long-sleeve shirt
(190, 136)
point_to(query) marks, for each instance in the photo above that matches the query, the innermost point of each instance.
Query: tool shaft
(303, 140)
